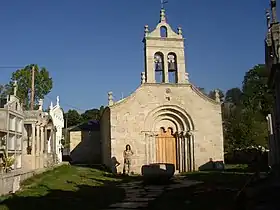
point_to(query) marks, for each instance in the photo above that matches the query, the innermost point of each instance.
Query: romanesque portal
(170, 139)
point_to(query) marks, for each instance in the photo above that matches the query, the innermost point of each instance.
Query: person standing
(127, 156)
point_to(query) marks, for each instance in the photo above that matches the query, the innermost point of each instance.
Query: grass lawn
(66, 187)
(71, 187)
(216, 193)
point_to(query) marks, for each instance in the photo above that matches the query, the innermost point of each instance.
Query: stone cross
(15, 88)
(163, 2)
(217, 96)
(57, 100)
(110, 98)
(41, 101)
(51, 106)
(143, 77)
(180, 32)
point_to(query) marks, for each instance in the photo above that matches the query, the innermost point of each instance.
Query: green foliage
(7, 161)
(66, 187)
(202, 90)
(5, 90)
(256, 93)
(234, 96)
(244, 111)
(43, 83)
(212, 94)
(72, 117)
(92, 114)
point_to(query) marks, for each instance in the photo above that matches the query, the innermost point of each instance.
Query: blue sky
(91, 47)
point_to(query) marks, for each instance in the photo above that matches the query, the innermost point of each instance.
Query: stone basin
(158, 172)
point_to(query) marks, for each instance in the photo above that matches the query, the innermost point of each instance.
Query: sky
(91, 47)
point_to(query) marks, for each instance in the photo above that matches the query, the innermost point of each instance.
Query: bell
(172, 66)
(158, 67)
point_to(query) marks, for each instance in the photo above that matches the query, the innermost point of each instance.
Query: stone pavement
(138, 196)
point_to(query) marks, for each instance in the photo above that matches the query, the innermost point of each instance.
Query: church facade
(166, 119)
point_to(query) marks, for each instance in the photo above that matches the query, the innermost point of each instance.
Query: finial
(41, 102)
(187, 77)
(180, 32)
(273, 10)
(146, 30)
(162, 15)
(15, 88)
(162, 11)
(217, 96)
(143, 78)
(51, 106)
(110, 98)
(267, 14)
(57, 100)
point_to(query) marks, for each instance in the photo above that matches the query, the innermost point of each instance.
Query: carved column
(180, 136)
(191, 150)
(50, 144)
(184, 151)
(165, 71)
(187, 153)
(54, 141)
(46, 148)
(42, 140)
(153, 148)
(147, 148)
(37, 139)
(33, 139)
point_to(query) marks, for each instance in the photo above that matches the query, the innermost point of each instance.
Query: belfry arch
(169, 137)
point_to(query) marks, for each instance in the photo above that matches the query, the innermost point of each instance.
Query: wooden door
(166, 146)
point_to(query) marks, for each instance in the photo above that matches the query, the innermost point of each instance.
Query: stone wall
(10, 182)
(128, 124)
(85, 147)
(105, 131)
(75, 139)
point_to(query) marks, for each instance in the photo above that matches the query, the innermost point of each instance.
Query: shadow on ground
(85, 197)
(71, 191)
(217, 192)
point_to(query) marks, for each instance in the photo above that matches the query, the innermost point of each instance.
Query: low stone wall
(10, 182)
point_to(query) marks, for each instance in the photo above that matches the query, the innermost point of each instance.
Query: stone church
(167, 119)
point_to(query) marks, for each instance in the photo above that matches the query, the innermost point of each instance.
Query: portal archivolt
(172, 142)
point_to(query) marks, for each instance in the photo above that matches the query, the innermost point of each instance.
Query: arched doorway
(169, 139)
(166, 146)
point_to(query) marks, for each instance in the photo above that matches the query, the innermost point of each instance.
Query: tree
(212, 94)
(5, 90)
(244, 111)
(245, 128)
(91, 114)
(202, 90)
(43, 83)
(234, 96)
(101, 110)
(72, 117)
(256, 93)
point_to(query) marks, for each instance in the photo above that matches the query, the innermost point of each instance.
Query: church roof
(91, 125)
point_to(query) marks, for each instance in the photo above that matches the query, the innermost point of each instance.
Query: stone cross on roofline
(163, 2)
(15, 88)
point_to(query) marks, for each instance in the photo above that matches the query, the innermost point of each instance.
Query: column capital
(190, 133)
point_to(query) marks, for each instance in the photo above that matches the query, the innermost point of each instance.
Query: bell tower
(164, 54)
